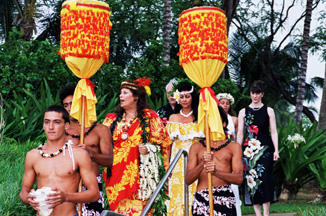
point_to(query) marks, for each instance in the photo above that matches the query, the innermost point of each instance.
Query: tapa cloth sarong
(94, 208)
(223, 198)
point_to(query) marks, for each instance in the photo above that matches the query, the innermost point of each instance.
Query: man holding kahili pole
(85, 44)
(203, 54)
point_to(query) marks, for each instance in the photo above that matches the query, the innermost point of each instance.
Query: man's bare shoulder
(234, 146)
(197, 146)
(78, 150)
(101, 128)
(32, 154)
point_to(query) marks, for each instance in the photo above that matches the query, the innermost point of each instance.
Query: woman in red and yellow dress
(136, 131)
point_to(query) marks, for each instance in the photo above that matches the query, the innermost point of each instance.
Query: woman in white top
(226, 101)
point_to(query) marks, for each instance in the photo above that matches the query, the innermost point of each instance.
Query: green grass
(300, 206)
(12, 157)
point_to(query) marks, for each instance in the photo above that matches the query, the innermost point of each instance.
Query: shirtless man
(225, 164)
(98, 143)
(60, 170)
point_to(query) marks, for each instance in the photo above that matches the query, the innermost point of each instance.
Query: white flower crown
(226, 96)
(176, 94)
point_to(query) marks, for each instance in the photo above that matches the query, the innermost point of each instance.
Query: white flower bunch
(254, 146)
(296, 140)
(226, 96)
(148, 171)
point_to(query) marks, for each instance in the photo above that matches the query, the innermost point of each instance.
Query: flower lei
(225, 96)
(159, 204)
(149, 172)
(252, 153)
(145, 166)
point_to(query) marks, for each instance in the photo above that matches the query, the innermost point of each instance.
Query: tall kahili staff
(85, 44)
(203, 54)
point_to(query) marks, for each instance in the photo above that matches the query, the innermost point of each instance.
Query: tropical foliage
(292, 170)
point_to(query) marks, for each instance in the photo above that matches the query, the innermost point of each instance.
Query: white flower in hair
(225, 96)
(176, 96)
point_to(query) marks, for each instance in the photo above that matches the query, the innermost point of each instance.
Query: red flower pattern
(253, 129)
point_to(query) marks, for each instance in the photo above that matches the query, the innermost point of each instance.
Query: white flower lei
(149, 172)
(225, 96)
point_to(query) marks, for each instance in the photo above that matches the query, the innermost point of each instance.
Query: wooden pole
(210, 185)
(82, 138)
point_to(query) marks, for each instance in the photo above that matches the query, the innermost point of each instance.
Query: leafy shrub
(25, 64)
(292, 169)
(24, 118)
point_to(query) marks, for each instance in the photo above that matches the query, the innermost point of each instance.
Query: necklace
(52, 154)
(125, 127)
(256, 108)
(218, 148)
(184, 115)
(86, 133)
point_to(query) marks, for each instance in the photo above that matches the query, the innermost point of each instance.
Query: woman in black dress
(260, 150)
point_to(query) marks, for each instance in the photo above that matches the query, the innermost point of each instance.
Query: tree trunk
(166, 32)
(322, 111)
(303, 66)
(229, 6)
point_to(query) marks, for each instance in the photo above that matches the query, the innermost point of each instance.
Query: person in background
(165, 111)
(225, 163)
(260, 124)
(137, 132)
(183, 130)
(226, 102)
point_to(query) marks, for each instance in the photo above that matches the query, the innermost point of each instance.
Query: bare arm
(274, 135)
(240, 126)
(194, 167)
(105, 158)
(28, 181)
(235, 122)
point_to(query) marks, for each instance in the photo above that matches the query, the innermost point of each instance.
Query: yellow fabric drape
(84, 45)
(205, 73)
(203, 55)
(84, 68)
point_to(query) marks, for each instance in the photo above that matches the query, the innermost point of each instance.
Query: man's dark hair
(58, 109)
(66, 91)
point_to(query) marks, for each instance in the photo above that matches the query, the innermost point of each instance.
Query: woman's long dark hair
(141, 102)
(185, 86)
